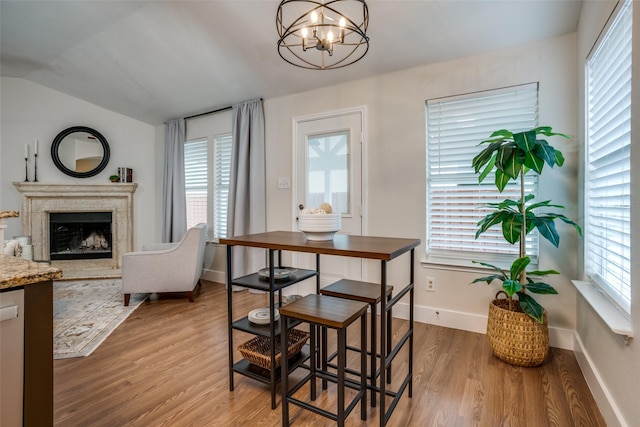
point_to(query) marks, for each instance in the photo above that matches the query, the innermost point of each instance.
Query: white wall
(396, 167)
(30, 111)
(611, 367)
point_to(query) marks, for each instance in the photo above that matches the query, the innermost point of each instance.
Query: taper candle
(26, 151)
(36, 150)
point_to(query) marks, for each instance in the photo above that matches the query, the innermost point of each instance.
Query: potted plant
(114, 178)
(517, 328)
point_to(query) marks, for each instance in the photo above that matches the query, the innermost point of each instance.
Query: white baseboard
(558, 337)
(214, 276)
(605, 401)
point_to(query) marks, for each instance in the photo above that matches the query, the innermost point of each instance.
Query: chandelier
(322, 35)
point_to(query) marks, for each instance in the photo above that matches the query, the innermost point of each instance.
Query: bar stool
(370, 293)
(321, 311)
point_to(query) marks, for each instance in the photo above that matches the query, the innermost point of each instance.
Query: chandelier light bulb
(314, 17)
(330, 36)
(304, 33)
(342, 23)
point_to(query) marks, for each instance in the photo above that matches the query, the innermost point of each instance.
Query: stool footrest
(348, 382)
(313, 408)
(396, 349)
(354, 372)
(299, 385)
(352, 348)
(396, 398)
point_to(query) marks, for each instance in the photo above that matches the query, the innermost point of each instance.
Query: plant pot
(515, 337)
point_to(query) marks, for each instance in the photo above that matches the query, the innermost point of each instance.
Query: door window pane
(328, 171)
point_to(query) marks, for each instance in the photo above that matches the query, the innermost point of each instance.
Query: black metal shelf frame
(271, 330)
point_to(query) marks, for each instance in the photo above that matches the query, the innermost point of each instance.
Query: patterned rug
(85, 312)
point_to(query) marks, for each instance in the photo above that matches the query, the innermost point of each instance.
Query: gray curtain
(174, 204)
(247, 188)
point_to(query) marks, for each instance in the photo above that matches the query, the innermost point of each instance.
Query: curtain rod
(211, 112)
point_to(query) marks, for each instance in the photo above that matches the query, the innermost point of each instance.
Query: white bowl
(319, 227)
(319, 236)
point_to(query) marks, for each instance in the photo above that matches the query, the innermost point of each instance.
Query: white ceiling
(156, 60)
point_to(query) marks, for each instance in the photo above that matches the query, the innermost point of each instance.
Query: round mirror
(80, 152)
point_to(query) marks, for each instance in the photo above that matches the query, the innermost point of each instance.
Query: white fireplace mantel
(39, 200)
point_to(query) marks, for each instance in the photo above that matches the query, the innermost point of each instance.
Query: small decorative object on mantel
(125, 174)
(517, 329)
(114, 178)
(319, 224)
(26, 162)
(35, 163)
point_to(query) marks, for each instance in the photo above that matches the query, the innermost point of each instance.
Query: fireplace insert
(80, 235)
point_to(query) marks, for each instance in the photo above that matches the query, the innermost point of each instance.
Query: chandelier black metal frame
(322, 35)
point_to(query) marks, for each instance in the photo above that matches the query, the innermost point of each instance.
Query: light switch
(284, 182)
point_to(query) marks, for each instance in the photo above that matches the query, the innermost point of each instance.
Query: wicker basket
(258, 350)
(515, 337)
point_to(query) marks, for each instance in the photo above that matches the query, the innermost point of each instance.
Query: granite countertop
(9, 214)
(16, 272)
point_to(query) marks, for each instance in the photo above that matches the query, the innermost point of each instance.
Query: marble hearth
(40, 200)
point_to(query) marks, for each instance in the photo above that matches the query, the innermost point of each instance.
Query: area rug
(85, 313)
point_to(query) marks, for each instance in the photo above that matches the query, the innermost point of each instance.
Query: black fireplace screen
(80, 235)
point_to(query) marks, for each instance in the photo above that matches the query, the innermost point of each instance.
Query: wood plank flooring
(167, 365)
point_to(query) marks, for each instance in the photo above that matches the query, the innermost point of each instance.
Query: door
(328, 162)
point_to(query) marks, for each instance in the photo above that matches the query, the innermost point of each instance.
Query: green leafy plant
(512, 156)
(114, 178)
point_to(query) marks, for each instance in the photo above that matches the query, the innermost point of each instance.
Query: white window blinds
(455, 127)
(608, 176)
(222, 175)
(195, 180)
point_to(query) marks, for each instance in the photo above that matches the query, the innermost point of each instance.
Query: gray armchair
(165, 267)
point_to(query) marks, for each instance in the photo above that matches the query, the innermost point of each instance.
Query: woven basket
(515, 337)
(258, 350)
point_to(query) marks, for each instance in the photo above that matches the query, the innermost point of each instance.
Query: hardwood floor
(167, 365)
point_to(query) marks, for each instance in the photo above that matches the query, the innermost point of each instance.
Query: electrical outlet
(431, 284)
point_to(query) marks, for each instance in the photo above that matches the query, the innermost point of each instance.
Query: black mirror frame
(56, 158)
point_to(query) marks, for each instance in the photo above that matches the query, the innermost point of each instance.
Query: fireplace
(111, 202)
(80, 235)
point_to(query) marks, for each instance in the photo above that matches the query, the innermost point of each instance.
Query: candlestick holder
(26, 169)
(35, 167)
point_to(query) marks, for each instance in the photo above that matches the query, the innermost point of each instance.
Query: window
(196, 178)
(455, 199)
(222, 176)
(608, 165)
(202, 186)
(328, 171)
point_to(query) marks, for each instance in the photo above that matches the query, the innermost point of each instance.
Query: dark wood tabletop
(370, 247)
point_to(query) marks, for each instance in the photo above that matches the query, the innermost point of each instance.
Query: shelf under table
(255, 281)
(263, 330)
(264, 375)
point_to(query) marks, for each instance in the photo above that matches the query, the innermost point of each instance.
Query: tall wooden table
(366, 247)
